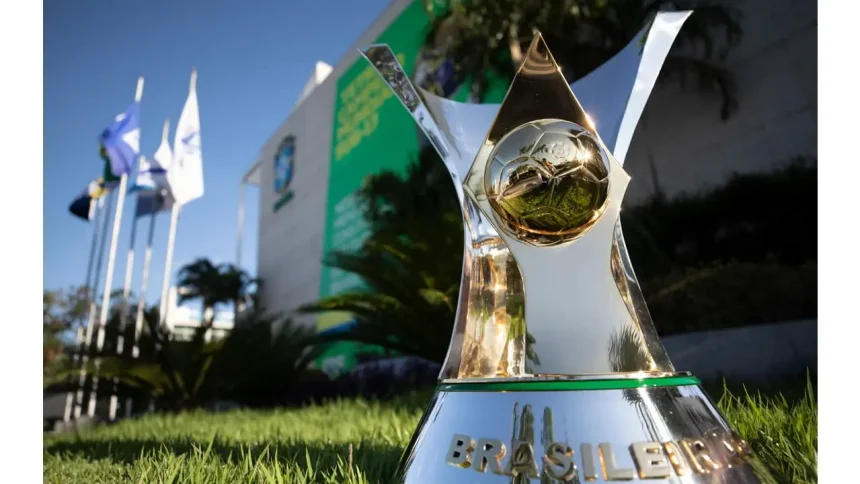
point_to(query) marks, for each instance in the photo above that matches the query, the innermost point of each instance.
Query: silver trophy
(555, 373)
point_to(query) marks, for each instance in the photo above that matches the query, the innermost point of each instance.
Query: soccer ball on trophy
(548, 181)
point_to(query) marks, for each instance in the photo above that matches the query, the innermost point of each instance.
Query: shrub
(722, 296)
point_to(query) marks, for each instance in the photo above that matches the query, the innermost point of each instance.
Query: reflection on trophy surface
(552, 343)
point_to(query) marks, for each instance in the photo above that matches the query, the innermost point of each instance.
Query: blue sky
(253, 58)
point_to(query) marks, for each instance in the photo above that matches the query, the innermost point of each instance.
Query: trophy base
(573, 431)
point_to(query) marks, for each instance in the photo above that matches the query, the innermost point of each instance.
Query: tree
(53, 325)
(62, 312)
(486, 39)
(411, 263)
(213, 285)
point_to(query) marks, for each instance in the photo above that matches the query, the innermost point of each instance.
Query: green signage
(372, 132)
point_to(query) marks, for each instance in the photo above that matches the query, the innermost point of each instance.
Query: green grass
(349, 442)
(784, 434)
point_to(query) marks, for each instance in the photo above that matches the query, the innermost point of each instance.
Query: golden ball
(548, 181)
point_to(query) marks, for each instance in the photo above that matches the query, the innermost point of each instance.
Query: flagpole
(158, 201)
(182, 196)
(241, 229)
(174, 218)
(88, 338)
(117, 224)
(168, 263)
(141, 302)
(126, 291)
(106, 294)
(95, 213)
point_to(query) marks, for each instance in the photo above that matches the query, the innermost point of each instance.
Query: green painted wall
(372, 132)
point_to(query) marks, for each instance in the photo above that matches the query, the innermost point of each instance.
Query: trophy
(555, 372)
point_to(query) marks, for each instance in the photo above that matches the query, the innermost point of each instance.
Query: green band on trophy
(568, 385)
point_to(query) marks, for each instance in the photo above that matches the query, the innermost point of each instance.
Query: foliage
(411, 263)
(367, 380)
(262, 361)
(62, 311)
(213, 285)
(255, 364)
(750, 218)
(487, 39)
(704, 261)
(726, 295)
(354, 441)
(177, 374)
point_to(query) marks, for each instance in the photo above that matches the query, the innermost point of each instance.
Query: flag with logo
(185, 173)
(82, 206)
(120, 142)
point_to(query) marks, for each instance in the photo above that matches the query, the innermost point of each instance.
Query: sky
(253, 59)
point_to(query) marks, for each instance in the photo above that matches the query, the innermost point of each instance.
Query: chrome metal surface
(670, 434)
(580, 317)
(491, 286)
(489, 338)
(550, 375)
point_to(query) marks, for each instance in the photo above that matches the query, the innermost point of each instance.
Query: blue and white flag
(121, 140)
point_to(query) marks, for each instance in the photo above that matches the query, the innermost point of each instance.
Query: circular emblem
(548, 181)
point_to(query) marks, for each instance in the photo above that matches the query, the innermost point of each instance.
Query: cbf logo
(284, 159)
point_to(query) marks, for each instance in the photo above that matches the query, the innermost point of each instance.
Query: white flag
(162, 159)
(185, 173)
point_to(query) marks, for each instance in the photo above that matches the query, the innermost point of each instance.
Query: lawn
(355, 441)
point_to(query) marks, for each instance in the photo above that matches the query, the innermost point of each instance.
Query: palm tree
(213, 285)
(486, 39)
(411, 263)
(238, 284)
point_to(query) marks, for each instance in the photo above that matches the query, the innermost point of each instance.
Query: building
(347, 124)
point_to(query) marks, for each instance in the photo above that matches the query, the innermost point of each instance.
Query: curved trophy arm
(482, 315)
(489, 338)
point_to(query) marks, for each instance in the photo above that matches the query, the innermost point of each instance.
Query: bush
(741, 253)
(373, 381)
(751, 218)
(730, 295)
